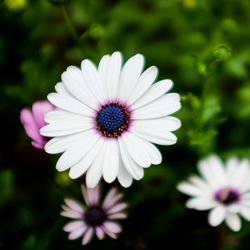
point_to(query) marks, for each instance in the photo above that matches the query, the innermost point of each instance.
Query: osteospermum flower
(94, 218)
(225, 190)
(109, 118)
(34, 120)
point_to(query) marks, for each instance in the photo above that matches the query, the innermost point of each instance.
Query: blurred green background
(202, 45)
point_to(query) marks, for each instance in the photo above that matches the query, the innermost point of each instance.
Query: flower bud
(222, 53)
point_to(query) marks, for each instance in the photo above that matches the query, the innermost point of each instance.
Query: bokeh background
(202, 45)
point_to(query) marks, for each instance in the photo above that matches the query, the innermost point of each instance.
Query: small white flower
(223, 189)
(108, 119)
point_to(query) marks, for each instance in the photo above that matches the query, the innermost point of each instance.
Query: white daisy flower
(225, 190)
(109, 117)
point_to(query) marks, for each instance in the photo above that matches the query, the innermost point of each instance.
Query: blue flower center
(112, 119)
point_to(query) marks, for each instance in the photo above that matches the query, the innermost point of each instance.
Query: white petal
(200, 203)
(155, 91)
(153, 153)
(64, 123)
(166, 139)
(233, 221)
(241, 174)
(143, 84)
(60, 144)
(165, 105)
(82, 166)
(138, 149)
(218, 170)
(157, 130)
(60, 89)
(163, 125)
(93, 80)
(189, 189)
(75, 84)
(129, 76)
(205, 170)
(246, 196)
(197, 181)
(231, 167)
(245, 212)
(103, 68)
(77, 151)
(94, 173)
(245, 185)
(133, 169)
(123, 176)
(65, 128)
(234, 207)
(113, 74)
(69, 104)
(111, 161)
(216, 216)
(59, 116)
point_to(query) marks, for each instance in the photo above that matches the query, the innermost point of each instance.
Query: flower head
(225, 190)
(34, 120)
(109, 118)
(94, 218)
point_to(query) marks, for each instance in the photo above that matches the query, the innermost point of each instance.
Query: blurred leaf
(211, 108)
(6, 187)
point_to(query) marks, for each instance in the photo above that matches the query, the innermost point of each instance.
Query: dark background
(202, 45)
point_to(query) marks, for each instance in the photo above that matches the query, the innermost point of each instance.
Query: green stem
(69, 23)
(222, 236)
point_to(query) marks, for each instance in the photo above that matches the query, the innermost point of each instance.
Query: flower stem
(69, 23)
(222, 236)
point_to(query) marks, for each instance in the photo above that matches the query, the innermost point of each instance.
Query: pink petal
(116, 216)
(30, 126)
(112, 227)
(71, 214)
(73, 225)
(117, 208)
(91, 195)
(77, 233)
(39, 109)
(74, 205)
(88, 235)
(111, 198)
(39, 145)
(99, 233)
(65, 208)
(110, 234)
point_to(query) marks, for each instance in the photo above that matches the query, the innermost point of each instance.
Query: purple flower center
(94, 216)
(113, 119)
(227, 196)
